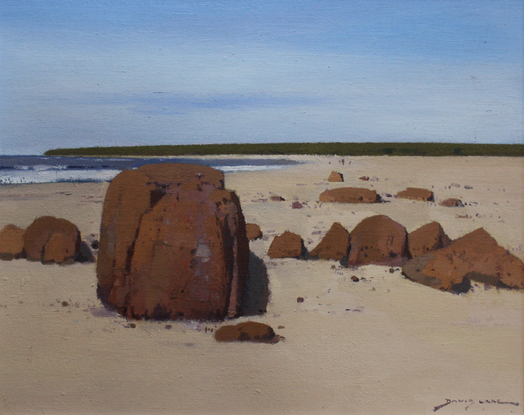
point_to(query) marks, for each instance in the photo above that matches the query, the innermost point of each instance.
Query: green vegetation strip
(341, 149)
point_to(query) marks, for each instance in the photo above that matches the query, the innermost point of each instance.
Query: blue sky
(92, 72)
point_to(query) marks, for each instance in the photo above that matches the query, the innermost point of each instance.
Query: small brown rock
(415, 193)
(427, 238)
(287, 245)
(276, 198)
(334, 245)
(336, 177)
(354, 278)
(11, 243)
(250, 331)
(451, 202)
(300, 299)
(49, 239)
(378, 240)
(253, 231)
(296, 205)
(364, 178)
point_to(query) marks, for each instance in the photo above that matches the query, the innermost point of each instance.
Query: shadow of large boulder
(256, 289)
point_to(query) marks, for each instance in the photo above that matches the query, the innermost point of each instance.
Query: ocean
(42, 169)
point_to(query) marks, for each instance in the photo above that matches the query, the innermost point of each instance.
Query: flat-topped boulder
(336, 177)
(415, 193)
(349, 195)
(11, 243)
(172, 244)
(476, 256)
(427, 238)
(334, 245)
(378, 240)
(286, 245)
(52, 240)
(249, 331)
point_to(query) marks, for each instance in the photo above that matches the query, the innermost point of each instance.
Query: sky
(82, 73)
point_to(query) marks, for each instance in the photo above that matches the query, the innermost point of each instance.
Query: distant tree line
(341, 149)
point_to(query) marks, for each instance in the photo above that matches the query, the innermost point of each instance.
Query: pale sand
(383, 345)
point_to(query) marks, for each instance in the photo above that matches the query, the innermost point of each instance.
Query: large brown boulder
(350, 195)
(378, 240)
(172, 244)
(11, 243)
(250, 331)
(253, 231)
(336, 177)
(415, 193)
(334, 245)
(475, 256)
(52, 240)
(287, 245)
(427, 238)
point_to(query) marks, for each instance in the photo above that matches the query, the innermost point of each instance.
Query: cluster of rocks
(427, 255)
(363, 195)
(48, 240)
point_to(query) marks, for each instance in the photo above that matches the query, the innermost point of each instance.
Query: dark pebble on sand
(132, 325)
(355, 278)
(65, 304)
(300, 299)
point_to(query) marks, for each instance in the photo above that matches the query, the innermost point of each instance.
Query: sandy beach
(383, 345)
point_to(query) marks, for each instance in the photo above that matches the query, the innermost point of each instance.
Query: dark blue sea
(42, 169)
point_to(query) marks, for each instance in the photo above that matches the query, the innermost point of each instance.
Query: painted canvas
(242, 207)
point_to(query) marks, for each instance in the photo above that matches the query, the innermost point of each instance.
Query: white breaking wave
(54, 174)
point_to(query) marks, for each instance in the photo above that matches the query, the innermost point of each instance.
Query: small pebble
(65, 304)
(300, 299)
(132, 325)
(355, 278)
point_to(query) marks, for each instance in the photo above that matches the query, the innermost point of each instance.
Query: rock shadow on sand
(256, 289)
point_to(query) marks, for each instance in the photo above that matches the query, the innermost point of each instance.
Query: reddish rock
(451, 202)
(415, 193)
(296, 205)
(11, 243)
(334, 245)
(336, 177)
(364, 178)
(287, 245)
(172, 244)
(378, 240)
(350, 195)
(253, 231)
(52, 240)
(250, 331)
(276, 198)
(475, 256)
(427, 238)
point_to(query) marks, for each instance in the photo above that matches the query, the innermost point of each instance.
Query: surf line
(471, 402)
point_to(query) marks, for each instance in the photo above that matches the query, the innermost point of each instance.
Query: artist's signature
(469, 402)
